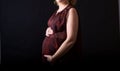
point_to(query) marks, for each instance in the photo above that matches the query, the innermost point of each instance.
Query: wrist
(53, 58)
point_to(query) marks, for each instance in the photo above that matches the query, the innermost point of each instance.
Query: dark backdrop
(119, 15)
(24, 23)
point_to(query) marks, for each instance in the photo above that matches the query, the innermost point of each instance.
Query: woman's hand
(49, 31)
(50, 58)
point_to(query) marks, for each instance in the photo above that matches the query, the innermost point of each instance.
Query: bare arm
(72, 29)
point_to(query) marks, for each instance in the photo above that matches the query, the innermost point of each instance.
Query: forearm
(64, 48)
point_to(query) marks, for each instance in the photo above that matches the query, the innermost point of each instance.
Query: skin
(72, 29)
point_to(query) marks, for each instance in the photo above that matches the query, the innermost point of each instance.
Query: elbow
(71, 41)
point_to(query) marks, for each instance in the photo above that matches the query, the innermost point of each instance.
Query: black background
(24, 23)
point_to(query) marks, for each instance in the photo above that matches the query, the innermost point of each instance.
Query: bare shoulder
(73, 10)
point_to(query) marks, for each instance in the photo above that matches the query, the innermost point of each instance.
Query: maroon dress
(57, 22)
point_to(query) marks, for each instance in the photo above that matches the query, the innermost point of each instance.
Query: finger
(47, 35)
(46, 55)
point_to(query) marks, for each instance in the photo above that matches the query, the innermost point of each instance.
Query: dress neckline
(56, 13)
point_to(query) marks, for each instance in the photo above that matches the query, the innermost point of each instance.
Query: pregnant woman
(59, 45)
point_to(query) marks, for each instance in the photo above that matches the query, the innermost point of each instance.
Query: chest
(58, 22)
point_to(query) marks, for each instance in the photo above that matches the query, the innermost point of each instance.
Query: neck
(62, 6)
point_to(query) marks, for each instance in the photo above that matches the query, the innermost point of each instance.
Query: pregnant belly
(52, 43)
(49, 46)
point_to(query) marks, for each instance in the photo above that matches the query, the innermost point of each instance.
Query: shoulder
(72, 10)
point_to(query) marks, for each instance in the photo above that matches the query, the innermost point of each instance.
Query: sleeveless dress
(57, 22)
